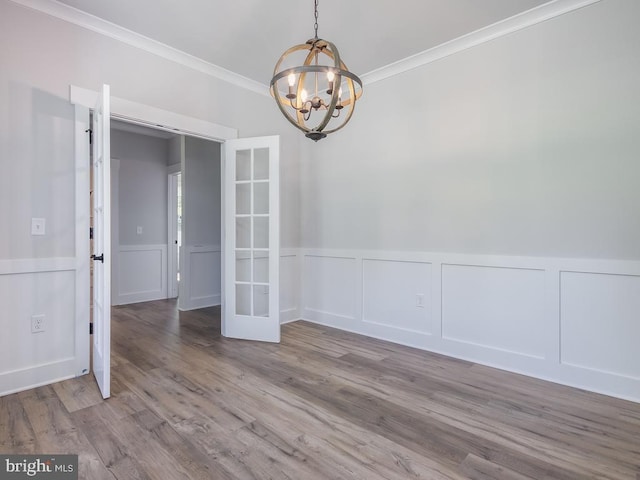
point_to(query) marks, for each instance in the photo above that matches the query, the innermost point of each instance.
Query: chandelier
(313, 87)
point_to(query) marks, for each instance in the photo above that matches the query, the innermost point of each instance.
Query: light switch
(37, 226)
(139, 230)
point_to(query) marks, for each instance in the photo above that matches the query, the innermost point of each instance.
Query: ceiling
(247, 37)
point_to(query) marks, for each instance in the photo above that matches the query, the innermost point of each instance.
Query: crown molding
(103, 27)
(526, 19)
(504, 27)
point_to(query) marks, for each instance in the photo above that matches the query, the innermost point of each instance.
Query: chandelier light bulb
(291, 79)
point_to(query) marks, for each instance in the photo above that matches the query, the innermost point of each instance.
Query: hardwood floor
(323, 404)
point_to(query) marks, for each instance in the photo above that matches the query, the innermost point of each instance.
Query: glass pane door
(252, 241)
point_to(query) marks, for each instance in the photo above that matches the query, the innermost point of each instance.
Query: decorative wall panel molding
(142, 273)
(39, 287)
(289, 286)
(497, 308)
(200, 277)
(571, 321)
(600, 322)
(397, 294)
(330, 284)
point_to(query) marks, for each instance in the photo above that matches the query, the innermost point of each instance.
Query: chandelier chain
(315, 13)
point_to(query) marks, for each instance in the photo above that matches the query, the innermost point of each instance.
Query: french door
(251, 240)
(102, 243)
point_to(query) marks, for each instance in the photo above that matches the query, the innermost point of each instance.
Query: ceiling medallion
(313, 87)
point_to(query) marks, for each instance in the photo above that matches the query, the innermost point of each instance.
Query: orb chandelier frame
(323, 73)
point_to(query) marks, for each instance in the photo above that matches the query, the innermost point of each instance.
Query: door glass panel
(243, 266)
(261, 232)
(261, 164)
(243, 232)
(243, 198)
(243, 165)
(243, 299)
(261, 198)
(261, 300)
(261, 267)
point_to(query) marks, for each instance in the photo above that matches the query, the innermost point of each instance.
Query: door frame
(83, 262)
(84, 101)
(173, 243)
(115, 231)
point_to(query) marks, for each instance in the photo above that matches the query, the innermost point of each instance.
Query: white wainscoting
(330, 284)
(289, 285)
(571, 321)
(142, 273)
(498, 308)
(600, 322)
(200, 277)
(200, 285)
(397, 294)
(37, 287)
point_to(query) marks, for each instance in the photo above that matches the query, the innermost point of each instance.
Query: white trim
(39, 265)
(491, 32)
(289, 315)
(140, 114)
(39, 375)
(115, 230)
(504, 27)
(108, 29)
(172, 235)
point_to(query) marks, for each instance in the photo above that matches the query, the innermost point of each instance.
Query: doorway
(238, 153)
(139, 214)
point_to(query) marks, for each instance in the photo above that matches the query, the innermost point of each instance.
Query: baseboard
(201, 302)
(37, 376)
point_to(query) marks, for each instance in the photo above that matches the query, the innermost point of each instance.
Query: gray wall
(525, 145)
(175, 150)
(201, 192)
(142, 187)
(37, 180)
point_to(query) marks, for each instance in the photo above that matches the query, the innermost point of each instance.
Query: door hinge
(98, 258)
(90, 233)
(90, 132)
(90, 328)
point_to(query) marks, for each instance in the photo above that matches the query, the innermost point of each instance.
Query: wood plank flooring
(323, 404)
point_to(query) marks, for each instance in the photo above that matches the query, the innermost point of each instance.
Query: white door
(251, 239)
(102, 244)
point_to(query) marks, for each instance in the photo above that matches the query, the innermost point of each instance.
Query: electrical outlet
(420, 300)
(37, 323)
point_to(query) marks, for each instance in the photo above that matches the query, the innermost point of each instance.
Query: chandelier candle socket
(316, 67)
